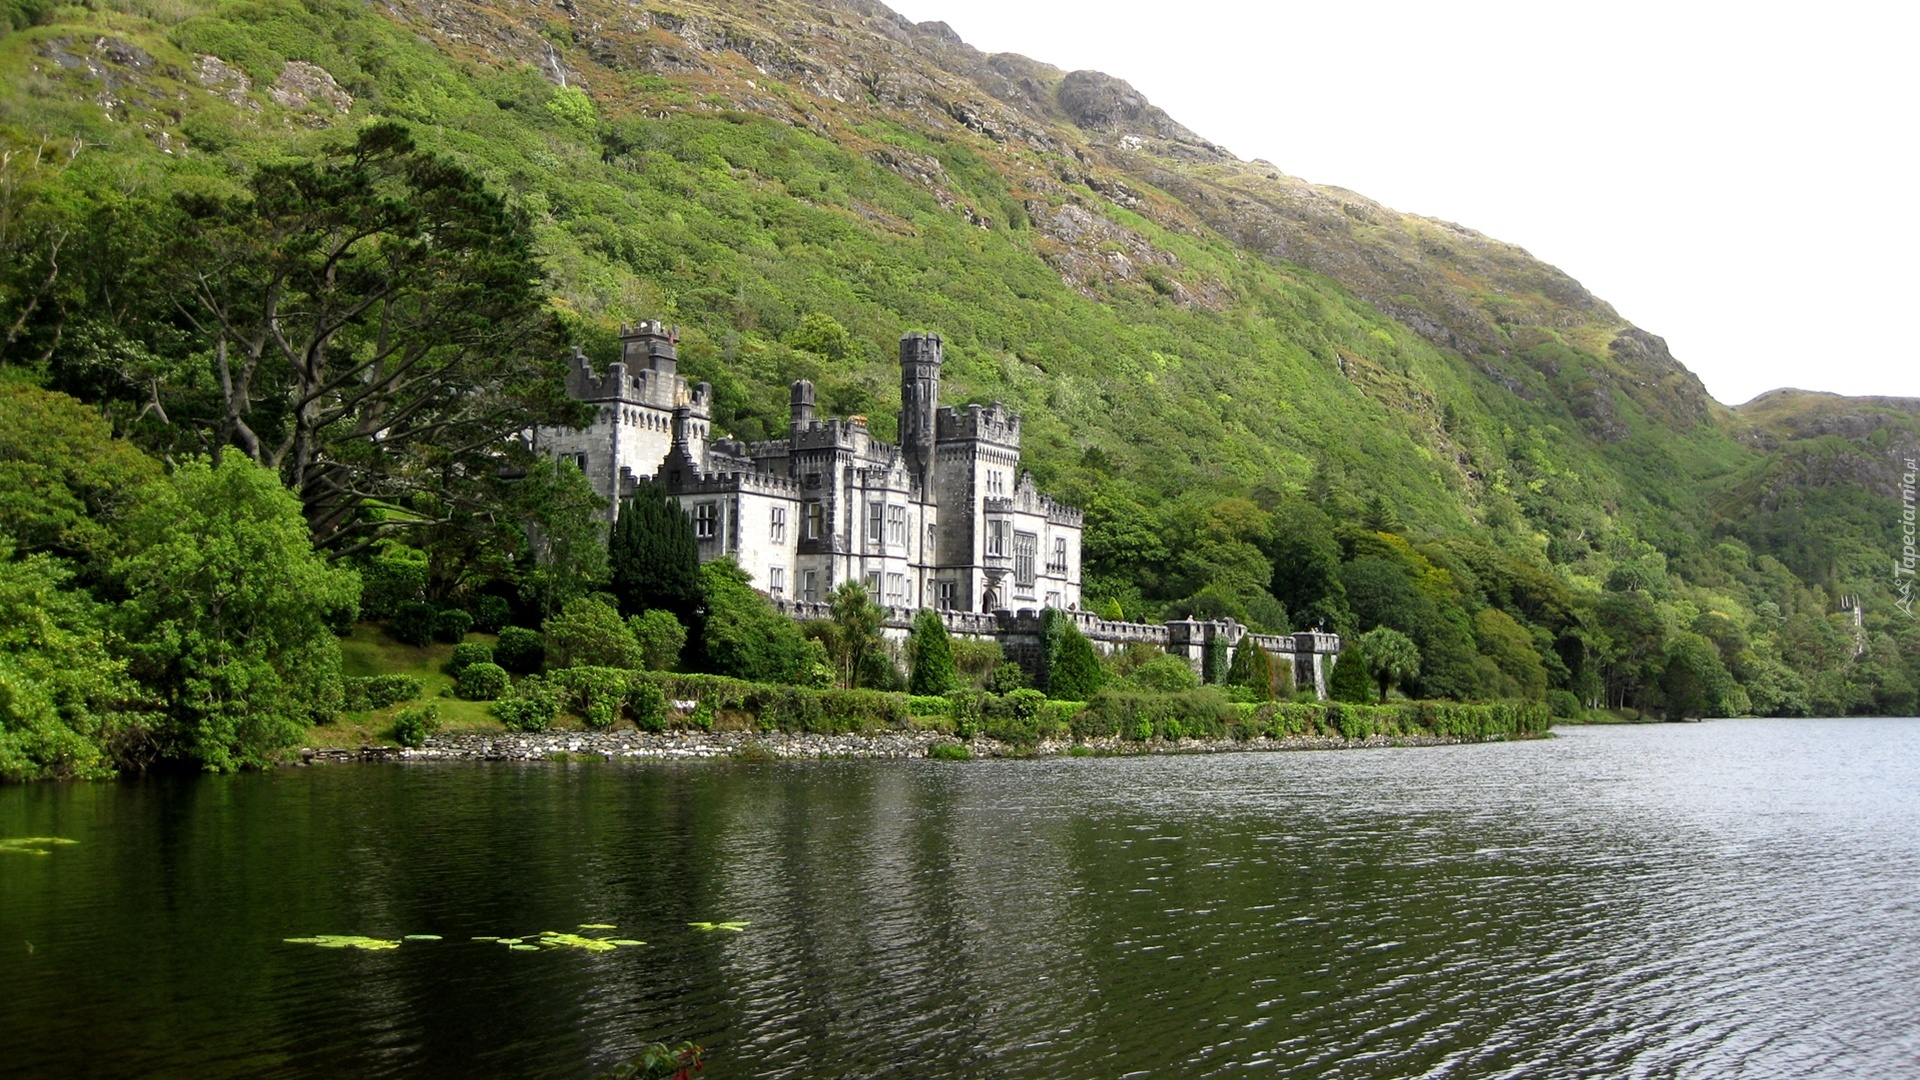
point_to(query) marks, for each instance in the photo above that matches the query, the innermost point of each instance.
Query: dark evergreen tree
(1073, 671)
(932, 653)
(1351, 682)
(654, 558)
(1252, 668)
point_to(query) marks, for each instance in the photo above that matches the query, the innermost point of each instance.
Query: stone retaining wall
(691, 745)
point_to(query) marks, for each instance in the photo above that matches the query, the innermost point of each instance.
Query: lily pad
(423, 937)
(486, 939)
(709, 927)
(624, 941)
(345, 941)
(525, 948)
(33, 845)
(598, 926)
(552, 940)
(508, 940)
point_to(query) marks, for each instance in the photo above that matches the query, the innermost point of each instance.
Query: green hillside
(1277, 401)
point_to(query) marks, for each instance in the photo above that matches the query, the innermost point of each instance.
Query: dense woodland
(268, 360)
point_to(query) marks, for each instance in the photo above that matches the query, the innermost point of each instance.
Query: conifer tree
(932, 653)
(1351, 681)
(1252, 668)
(654, 558)
(1073, 669)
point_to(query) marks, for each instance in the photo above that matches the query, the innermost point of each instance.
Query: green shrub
(1172, 730)
(927, 705)
(647, 704)
(590, 633)
(930, 652)
(592, 693)
(1015, 718)
(1166, 674)
(949, 751)
(451, 625)
(380, 691)
(482, 682)
(1203, 713)
(468, 653)
(1563, 704)
(531, 706)
(1006, 678)
(394, 577)
(491, 612)
(661, 639)
(520, 650)
(412, 726)
(412, 623)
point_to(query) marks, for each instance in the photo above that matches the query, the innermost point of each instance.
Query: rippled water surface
(1736, 898)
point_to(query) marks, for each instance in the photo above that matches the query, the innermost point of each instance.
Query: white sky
(1729, 176)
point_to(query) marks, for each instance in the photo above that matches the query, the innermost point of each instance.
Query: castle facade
(943, 519)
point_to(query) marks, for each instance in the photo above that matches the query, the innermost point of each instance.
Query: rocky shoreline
(784, 746)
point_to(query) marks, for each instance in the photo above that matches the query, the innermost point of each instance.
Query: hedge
(380, 691)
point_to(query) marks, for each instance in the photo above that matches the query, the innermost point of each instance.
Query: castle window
(1053, 599)
(810, 586)
(1026, 546)
(996, 538)
(873, 586)
(946, 596)
(876, 521)
(776, 581)
(896, 525)
(1059, 563)
(777, 526)
(896, 590)
(816, 520)
(705, 521)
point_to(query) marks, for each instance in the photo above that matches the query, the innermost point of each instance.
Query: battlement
(728, 482)
(1062, 514)
(833, 434)
(627, 385)
(921, 349)
(648, 344)
(985, 423)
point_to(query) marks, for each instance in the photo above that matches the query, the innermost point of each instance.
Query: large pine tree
(654, 559)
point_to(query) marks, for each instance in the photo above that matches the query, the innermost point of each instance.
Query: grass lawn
(370, 651)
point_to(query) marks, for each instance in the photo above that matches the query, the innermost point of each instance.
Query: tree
(1390, 657)
(930, 651)
(1251, 668)
(229, 614)
(590, 633)
(654, 557)
(858, 621)
(66, 484)
(68, 710)
(377, 328)
(661, 638)
(1073, 670)
(560, 517)
(1351, 681)
(744, 637)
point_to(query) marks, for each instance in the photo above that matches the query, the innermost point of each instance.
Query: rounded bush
(412, 623)
(1564, 704)
(490, 613)
(531, 707)
(520, 650)
(648, 704)
(468, 653)
(483, 682)
(412, 726)
(949, 751)
(451, 625)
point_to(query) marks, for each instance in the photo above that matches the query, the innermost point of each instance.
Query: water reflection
(1733, 898)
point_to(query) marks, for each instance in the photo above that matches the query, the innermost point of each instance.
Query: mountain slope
(798, 183)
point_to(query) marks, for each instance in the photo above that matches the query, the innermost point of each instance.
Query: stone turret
(802, 405)
(650, 345)
(920, 360)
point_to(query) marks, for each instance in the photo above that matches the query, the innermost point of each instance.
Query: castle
(942, 519)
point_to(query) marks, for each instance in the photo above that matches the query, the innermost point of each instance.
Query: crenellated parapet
(979, 423)
(738, 480)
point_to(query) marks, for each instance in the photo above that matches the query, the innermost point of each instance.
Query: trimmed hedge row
(656, 701)
(380, 691)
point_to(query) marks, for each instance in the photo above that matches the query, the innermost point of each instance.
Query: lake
(1733, 898)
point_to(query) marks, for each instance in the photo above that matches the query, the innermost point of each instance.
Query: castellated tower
(920, 359)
